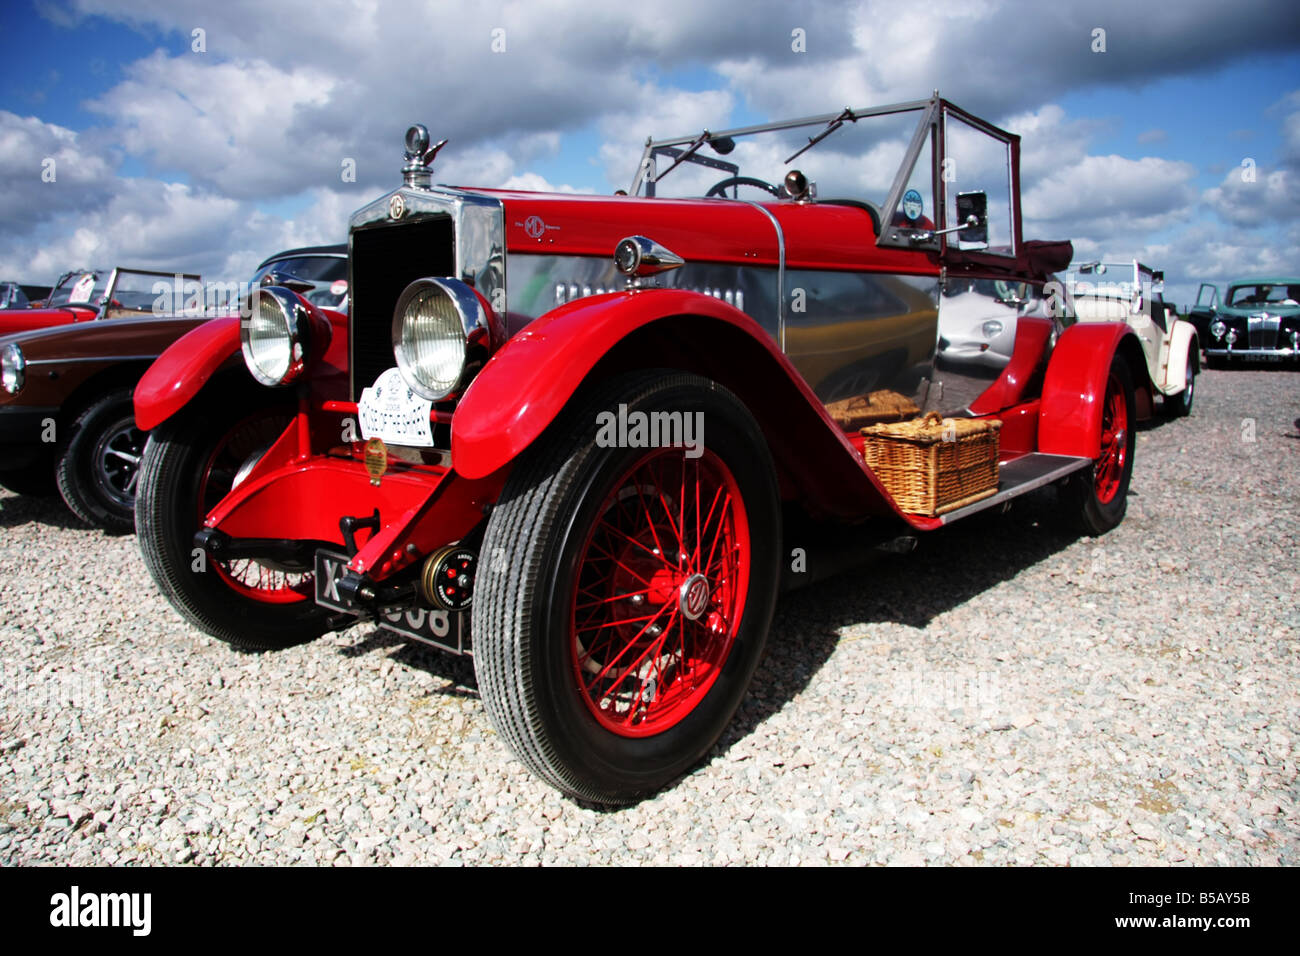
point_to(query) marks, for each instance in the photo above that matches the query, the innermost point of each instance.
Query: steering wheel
(720, 188)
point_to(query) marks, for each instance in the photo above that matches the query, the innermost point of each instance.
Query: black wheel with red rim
(189, 464)
(1097, 497)
(625, 593)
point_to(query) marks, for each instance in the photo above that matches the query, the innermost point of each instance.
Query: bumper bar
(1254, 353)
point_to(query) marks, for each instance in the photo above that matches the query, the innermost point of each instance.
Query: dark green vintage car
(1257, 320)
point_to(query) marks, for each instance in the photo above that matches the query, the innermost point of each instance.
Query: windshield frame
(76, 274)
(934, 113)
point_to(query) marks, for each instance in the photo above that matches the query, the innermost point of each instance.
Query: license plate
(449, 632)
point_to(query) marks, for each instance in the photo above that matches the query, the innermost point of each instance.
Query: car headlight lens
(991, 328)
(434, 323)
(1217, 329)
(13, 368)
(276, 336)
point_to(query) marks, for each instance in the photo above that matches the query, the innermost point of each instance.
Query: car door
(1207, 303)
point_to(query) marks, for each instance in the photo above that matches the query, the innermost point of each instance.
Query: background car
(978, 323)
(12, 296)
(1133, 293)
(66, 416)
(1256, 320)
(319, 273)
(93, 294)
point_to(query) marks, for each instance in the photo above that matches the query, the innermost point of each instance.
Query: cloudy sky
(191, 135)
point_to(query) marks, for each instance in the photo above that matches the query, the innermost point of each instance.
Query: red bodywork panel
(1069, 418)
(1019, 433)
(821, 236)
(1032, 337)
(828, 236)
(304, 498)
(178, 374)
(704, 229)
(184, 368)
(21, 320)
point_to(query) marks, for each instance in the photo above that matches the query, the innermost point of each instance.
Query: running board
(1019, 476)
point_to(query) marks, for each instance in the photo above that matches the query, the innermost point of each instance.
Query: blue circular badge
(913, 205)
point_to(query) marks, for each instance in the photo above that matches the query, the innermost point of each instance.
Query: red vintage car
(85, 295)
(594, 421)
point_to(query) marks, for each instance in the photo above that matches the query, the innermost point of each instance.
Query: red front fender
(183, 369)
(1069, 417)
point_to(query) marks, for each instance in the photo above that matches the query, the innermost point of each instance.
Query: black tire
(539, 532)
(35, 480)
(1093, 513)
(1180, 405)
(178, 455)
(98, 467)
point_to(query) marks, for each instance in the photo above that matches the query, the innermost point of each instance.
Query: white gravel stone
(1006, 693)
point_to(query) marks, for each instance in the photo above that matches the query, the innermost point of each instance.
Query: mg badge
(693, 597)
(376, 459)
(396, 206)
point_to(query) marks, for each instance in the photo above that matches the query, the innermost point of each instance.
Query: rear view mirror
(973, 205)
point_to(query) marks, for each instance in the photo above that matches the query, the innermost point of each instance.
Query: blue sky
(211, 160)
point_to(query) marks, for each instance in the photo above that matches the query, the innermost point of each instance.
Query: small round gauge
(448, 579)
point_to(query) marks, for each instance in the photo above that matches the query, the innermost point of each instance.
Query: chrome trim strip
(93, 358)
(1246, 351)
(780, 272)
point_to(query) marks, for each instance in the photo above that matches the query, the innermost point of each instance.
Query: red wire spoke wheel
(1112, 466)
(190, 463)
(1097, 497)
(657, 598)
(629, 590)
(235, 452)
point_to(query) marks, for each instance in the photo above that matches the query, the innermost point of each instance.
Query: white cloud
(286, 93)
(46, 169)
(1252, 194)
(232, 125)
(532, 182)
(1272, 195)
(1101, 195)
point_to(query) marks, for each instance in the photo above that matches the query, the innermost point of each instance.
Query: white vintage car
(1134, 293)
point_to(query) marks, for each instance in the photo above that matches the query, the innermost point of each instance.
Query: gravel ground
(1007, 693)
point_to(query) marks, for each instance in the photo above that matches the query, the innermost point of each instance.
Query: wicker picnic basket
(883, 405)
(933, 465)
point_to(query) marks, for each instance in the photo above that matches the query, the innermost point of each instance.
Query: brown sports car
(66, 418)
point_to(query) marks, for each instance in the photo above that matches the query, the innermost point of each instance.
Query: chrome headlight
(991, 328)
(437, 325)
(13, 368)
(277, 335)
(1217, 329)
